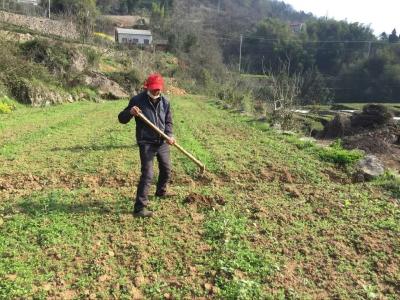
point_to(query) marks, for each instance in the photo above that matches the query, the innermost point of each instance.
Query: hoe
(155, 128)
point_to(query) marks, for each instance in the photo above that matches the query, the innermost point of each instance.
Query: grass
(290, 225)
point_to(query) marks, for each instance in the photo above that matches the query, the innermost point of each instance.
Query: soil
(383, 142)
(372, 131)
(20, 183)
(204, 200)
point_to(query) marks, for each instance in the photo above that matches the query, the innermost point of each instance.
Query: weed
(334, 153)
(390, 182)
(240, 289)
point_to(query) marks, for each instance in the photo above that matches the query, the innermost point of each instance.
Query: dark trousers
(147, 154)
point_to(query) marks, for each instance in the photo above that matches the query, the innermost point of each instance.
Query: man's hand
(171, 141)
(135, 111)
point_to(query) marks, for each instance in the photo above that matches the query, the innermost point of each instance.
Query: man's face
(155, 93)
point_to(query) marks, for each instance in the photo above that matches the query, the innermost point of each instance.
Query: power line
(230, 37)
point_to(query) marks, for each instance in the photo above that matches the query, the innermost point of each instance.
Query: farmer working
(153, 105)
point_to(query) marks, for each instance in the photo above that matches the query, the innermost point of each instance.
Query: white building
(32, 2)
(133, 36)
(297, 27)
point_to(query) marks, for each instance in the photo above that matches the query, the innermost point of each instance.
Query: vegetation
(7, 105)
(336, 60)
(270, 220)
(274, 218)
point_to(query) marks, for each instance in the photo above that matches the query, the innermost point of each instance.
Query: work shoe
(143, 213)
(167, 194)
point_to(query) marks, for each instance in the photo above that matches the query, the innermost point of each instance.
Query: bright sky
(381, 15)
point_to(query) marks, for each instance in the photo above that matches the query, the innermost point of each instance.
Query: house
(133, 36)
(31, 2)
(297, 27)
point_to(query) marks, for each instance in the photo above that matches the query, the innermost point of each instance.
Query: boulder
(107, 88)
(369, 168)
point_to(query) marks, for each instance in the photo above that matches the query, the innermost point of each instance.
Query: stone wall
(60, 28)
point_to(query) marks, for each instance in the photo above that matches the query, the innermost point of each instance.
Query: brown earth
(204, 200)
(371, 130)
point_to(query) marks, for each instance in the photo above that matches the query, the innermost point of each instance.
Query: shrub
(5, 108)
(6, 105)
(92, 56)
(131, 80)
(55, 56)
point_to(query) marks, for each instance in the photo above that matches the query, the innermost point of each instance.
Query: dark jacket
(159, 114)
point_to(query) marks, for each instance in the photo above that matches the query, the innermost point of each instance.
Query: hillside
(53, 70)
(271, 220)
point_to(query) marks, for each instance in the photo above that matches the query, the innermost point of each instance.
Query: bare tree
(282, 91)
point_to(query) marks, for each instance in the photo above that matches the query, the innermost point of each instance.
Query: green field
(273, 219)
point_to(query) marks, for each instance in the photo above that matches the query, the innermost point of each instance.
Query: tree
(282, 94)
(86, 12)
(383, 37)
(393, 38)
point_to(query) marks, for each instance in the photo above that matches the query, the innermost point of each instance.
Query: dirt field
(269, 220)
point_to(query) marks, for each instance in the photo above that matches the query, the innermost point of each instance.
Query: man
(153, 105)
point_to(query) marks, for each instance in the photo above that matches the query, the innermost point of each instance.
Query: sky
(381, 15)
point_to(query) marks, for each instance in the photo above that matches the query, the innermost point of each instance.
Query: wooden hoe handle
(155, 128)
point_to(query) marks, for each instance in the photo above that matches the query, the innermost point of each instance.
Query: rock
(107, 88)
(79, 62)
(208, 286)
(37, 93)
(370, 167)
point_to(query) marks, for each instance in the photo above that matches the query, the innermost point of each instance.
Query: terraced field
(274, 218)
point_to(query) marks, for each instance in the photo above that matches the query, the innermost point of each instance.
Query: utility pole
(219, 6)
(49, 9)
(240, 52)
(369, 49)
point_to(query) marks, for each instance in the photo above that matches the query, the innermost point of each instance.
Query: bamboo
(180, 148)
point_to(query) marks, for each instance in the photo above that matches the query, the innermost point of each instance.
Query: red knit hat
(154, 82)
